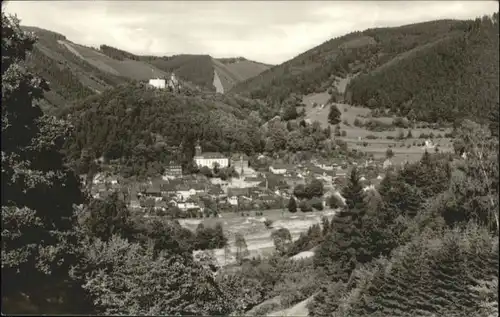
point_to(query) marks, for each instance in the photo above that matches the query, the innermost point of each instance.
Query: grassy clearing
(257, 236)
(128, 68)
(407, 149)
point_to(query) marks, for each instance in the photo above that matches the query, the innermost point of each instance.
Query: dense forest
(316, 69)
(449, 79)
(439, 69)
(140, 127)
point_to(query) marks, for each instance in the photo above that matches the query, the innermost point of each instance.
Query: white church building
(208, 159)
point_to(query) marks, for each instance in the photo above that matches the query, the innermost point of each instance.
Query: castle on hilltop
(161, 83)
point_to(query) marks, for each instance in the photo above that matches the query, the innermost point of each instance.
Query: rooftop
(282, 166)
(211, 155)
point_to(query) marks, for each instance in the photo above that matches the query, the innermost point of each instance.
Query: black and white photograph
(250, 158)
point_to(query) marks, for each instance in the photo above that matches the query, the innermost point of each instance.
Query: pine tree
(241, 247)
(341, 250)
(399, 198)
(334, 115)
(292, 205)
(353, 193)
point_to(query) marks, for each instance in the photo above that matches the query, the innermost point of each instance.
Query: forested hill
(76, 71)
(404, 67)
(142, 129)
(446, 80)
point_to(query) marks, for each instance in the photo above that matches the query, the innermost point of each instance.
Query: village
(254, 190)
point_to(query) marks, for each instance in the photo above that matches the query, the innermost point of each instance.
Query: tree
(205, 170)
(305, 206)
(345, 246)
(300, 191)
(389, 153)
(334, 115)
(353, 193)
(282, 239)
(334, 202)
(314, 189)
(129, 279)
(107, 217)
(216, 168)
(268, 223)
(38, 191)
(473, 194)
(292, 205)
(316, 203)
(227, 253)
(290, 113)
(399, 198)
(241, 247)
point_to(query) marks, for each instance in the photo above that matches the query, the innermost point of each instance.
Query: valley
(358, 178)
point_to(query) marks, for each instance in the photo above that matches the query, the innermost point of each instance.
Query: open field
(257, 236)
(404, 150)
(128, 68)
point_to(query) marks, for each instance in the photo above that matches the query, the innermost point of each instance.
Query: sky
(265, 31)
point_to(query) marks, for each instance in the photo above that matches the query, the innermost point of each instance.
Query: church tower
(197, 149)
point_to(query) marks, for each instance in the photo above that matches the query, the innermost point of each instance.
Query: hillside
(379, 53)
(447, 79)
(75, 71)
(232, 71)
(141, 129)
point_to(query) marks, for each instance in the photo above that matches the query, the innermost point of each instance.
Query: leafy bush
(316, 203)
(305, 206)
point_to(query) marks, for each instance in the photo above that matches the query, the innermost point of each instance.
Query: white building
(279, 169)
(428, 145)
(158, 83)
(209, 159)
(233, 201)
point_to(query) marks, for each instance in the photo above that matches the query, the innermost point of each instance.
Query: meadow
(356, 137)
(257, 235)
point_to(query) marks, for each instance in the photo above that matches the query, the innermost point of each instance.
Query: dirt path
(299, 310)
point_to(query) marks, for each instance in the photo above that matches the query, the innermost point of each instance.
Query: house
(158, 83)
(324, 165)
(293, 181)
(233, 191)
(154, 192)
(188, 204)
(168, 189)
(428, 145)
(173, 170)
(280, 169)
(209, 159)
(188, 190)
(233, 200)
(369, 187)
(253, 181)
